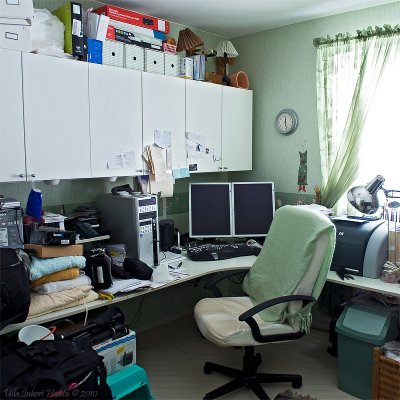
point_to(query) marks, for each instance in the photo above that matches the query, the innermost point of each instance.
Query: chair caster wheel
(207, 370)
(297, 384)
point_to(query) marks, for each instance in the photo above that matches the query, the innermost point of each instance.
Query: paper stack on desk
(125, 285)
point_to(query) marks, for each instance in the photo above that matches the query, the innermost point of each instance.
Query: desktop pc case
(132, 221)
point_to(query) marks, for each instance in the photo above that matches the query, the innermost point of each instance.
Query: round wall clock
(286, 121)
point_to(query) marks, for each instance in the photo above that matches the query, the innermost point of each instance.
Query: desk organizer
(386, 377)
(130, 383)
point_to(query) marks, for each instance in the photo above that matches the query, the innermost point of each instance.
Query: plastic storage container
(130, 383)
(360, 328)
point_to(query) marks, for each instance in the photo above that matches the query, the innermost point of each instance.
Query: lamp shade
(188, 40)
(366, 198)
(226, 47)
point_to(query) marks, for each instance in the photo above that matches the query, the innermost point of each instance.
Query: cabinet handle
(219, 167)
(21, 175)
(225, 168)
(33, 175)
(139, 170)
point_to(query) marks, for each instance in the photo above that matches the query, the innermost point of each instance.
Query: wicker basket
(386, 377)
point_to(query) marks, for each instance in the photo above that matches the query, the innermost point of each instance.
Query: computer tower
(132, 221)
(11, 228)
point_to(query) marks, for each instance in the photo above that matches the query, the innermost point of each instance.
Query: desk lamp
(365, 198)
(369, 198)
(228, 53)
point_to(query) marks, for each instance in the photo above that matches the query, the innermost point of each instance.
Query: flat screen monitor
(253, 206)
(210, 210)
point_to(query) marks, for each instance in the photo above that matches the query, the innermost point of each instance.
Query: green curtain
(348, 72)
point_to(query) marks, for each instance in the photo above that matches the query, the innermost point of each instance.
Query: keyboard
(199, 251)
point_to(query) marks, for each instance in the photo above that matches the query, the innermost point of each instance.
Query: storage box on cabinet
(172, 64)
(113, 53)
(154, 61)
(16, 9)
(15, 34)
(134, 57)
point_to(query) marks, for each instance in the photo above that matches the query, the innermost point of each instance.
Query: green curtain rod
(364, 34)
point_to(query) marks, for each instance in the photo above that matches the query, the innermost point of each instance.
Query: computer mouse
(175, 249)
(253, 243)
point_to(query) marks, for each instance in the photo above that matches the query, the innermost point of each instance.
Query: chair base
(248, 377)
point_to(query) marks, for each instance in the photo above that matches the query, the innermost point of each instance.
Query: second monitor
(241, 209)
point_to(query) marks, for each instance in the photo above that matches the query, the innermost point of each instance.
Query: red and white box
(134, 18)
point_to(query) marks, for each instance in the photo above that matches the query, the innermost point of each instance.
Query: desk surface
(197, 269)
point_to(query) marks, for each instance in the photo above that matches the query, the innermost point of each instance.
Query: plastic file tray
(154, 61)
(113, 53)
(134, 57)
(130, 383)
(172, 64)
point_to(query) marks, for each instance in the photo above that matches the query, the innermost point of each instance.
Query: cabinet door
(12, 151)
(56, 111)
(203, 126)
(237, 105)
(163, 112)
(115, 98)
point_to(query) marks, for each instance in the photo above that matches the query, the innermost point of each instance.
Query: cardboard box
(15, 34)
(70, 14)
(134, 18)
(118, 353)
(16, 9)
(394, 246)
(199, 67)
(55, 251)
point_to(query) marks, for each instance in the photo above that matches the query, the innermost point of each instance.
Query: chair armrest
(247, 317)
(212, 283)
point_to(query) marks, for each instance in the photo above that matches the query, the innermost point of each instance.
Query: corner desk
(198, 269)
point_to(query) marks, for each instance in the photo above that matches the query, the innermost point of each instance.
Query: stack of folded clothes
(58, 283)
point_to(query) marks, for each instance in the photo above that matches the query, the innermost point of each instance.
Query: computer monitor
(241, 209)
(210, 210)
(253, 206)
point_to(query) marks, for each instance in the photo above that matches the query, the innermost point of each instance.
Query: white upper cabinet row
(61, 119)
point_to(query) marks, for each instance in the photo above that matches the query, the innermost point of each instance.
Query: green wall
(280, 64)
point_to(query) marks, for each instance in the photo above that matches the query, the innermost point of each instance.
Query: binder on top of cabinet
(70, 14)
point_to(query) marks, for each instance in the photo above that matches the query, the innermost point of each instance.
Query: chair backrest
(295, 259)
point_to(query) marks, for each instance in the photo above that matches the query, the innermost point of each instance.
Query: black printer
(361, 246)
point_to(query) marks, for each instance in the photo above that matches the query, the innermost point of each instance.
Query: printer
(361, 246)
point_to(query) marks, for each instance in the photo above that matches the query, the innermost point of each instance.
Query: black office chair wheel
(297, 384)
(258, 359)
(207, 369)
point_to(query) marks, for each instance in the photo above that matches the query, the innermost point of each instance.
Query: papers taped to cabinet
(160, 173)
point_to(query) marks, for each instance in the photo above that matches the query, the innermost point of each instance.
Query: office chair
(281, 286)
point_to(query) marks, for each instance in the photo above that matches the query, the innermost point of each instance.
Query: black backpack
(54, 369)
(14, 288)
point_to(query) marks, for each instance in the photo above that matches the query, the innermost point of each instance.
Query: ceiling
(232, 18)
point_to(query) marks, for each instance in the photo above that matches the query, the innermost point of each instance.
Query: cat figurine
(302, 175)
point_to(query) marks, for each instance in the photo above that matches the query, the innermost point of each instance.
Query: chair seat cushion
(217, 319)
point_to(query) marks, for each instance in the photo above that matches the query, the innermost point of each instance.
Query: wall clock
(286, 121)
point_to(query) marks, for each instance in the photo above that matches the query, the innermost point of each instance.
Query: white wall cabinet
(203, 126)
(12, 152)
(237, 105)
(115, 98)
(164, 111)
(64, 119)
(56, 114)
